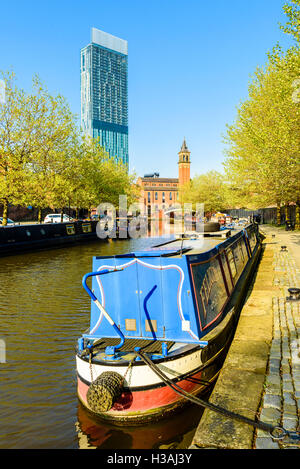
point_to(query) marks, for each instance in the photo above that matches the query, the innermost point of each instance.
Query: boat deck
(146, 345)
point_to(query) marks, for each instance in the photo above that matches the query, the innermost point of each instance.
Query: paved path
(288, 238)
(261, 374)
(281, 401)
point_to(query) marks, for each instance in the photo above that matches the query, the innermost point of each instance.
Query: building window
(156, 196)
(149, 197)
(170, 195)
(163, 197)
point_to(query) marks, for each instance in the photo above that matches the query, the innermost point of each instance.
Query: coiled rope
(277, 432)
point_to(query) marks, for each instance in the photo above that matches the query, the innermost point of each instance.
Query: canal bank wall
(260, 378)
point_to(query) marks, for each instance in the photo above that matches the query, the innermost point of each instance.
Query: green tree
(262, 159)
(264, 142)
(105, 178)
(51, 160)
(292, 27)
(17, 140)
(209, 189)
(36, 132)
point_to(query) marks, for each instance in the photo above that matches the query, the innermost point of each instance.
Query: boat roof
(191, 243)
(192, 246)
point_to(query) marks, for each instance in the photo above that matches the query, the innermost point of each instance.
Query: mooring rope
(277, 432)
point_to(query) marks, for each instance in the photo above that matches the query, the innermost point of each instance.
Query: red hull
(149, 401)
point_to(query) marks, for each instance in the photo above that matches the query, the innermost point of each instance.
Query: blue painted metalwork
(109, 350)
(80, 344)
(137, 349)
(160, 295)
(164, 349)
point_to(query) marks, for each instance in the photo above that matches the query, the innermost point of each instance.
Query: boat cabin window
(210, 290)
(239, 256)
(243, 251)
(232, 264)
(226, 272)
(252, 239)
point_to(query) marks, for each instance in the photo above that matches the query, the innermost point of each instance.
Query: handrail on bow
(99, 305)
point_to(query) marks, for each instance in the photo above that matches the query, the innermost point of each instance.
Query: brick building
(161, 193)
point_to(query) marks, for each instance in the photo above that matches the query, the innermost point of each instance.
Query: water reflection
(175, 432)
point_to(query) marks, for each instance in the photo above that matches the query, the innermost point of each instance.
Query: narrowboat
(161, 323)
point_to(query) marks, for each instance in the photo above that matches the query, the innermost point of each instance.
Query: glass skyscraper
(104, 92)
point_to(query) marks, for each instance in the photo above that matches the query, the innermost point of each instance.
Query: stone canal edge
(260, 378)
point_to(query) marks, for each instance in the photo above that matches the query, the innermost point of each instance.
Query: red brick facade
(184, 164)
(161, 193)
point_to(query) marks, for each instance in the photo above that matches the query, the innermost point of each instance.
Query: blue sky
(189, 64)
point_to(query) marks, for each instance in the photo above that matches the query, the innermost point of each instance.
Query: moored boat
(161, 323)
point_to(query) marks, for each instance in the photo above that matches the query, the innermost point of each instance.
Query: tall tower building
(184, 165)
(104, 92)
(165, 192)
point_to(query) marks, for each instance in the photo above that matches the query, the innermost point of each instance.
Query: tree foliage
(208, 189)
(292, 27)
(263, 155)
(264, 142)
(44, 159)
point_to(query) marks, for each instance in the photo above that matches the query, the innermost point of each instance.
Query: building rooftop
(184, 146)
(156, 179)
(109, 41)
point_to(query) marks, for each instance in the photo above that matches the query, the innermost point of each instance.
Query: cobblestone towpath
(281, 399)
(260, 378)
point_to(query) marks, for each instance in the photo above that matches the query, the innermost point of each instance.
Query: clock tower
(184, 165)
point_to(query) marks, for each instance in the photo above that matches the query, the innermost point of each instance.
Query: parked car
(56, 218)
(9, 221)
(243, 221)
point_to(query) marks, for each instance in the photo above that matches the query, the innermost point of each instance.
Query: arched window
(156, 196)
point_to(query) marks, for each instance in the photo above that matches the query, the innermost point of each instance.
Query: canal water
(43, 309)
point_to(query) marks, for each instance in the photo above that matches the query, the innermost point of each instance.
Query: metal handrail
(99, 305)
